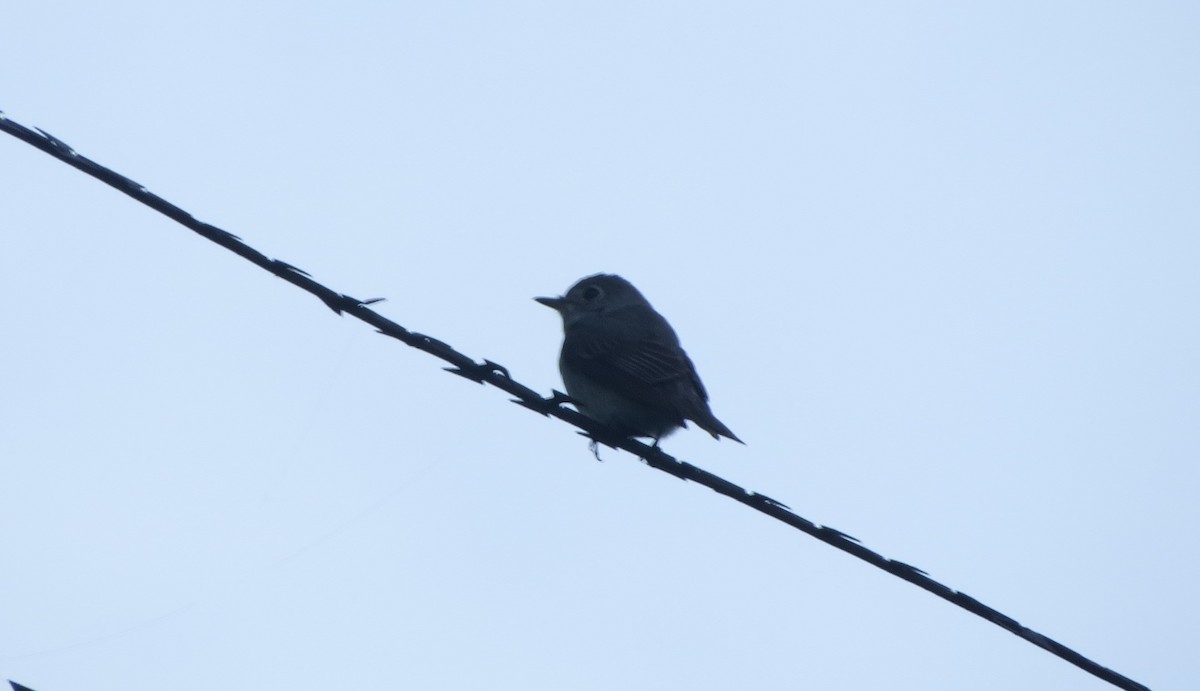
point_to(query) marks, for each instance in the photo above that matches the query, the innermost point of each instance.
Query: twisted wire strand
(488, 372)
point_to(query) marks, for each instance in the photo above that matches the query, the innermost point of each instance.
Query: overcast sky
(937, 263)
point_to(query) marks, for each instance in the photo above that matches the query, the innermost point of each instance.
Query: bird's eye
(591, 293)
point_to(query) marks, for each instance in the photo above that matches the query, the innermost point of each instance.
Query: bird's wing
(637, 366)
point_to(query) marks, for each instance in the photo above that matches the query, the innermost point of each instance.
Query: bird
(622, 363)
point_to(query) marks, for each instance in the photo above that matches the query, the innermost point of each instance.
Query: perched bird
(622, 364)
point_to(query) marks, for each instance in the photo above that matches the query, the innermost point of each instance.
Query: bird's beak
(556, 304)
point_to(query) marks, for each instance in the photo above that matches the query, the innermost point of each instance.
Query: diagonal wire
(488, 372)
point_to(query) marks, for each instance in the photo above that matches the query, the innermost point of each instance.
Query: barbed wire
(488, 372)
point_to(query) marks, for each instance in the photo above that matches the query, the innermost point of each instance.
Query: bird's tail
(709, 423)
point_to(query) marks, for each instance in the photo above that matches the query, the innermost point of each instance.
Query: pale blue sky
(936, 262)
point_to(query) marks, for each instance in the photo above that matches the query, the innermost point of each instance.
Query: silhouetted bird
(622, 364)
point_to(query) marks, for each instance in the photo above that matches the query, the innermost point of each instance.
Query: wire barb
(497, 375)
